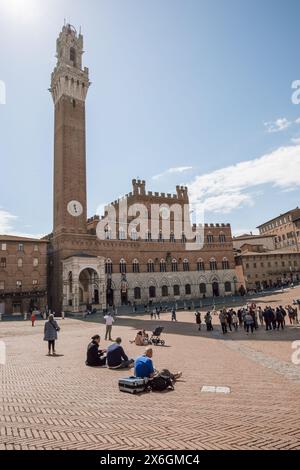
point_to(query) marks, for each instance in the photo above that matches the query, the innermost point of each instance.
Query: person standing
(222, 318)
(279, 318)
(260, 315)
(235, 321)
(249, 322)
(51, 329)
(208, 321)
(33, 318)
(228, 316)
(267, 318)
(174, 318)
(109, 323)
(198, 320)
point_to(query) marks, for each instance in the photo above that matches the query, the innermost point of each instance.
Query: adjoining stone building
(87, 269)
(285, 228)
(258, 268)
(23, 274)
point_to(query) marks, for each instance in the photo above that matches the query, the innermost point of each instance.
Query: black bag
(161, 383)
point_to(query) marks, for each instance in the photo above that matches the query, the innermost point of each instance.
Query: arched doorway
(124, 291)
(109, 293)
(215, 289)
(88, 287)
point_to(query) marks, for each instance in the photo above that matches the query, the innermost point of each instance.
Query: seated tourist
(116, 357)
(95, 357)
(141, 338)
(144, 367)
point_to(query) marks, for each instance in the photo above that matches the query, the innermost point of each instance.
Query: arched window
(152, 292)
(200, 265)
(176, 290)
(73, 55)
(188, 289)
(164, 291)
(150, 266)
(123, 266)
(186, 265)
(108, 266)
(213, 264)
(137, 293)
(172, 237)
(222, 237)
(162, 266)
(135, 266)
(20, 263)
(225, 264)
(174, 266)
(227, 286)
(210, 238)
(202, 288)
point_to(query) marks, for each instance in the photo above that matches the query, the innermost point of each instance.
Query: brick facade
(23, 274)
(74, 238)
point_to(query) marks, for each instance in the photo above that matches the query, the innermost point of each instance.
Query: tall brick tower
(69, 87)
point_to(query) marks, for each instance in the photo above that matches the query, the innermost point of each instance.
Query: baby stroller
(155, 338)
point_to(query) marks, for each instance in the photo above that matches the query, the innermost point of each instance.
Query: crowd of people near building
(251, 317)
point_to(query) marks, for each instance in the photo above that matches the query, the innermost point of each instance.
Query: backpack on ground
(160, 383)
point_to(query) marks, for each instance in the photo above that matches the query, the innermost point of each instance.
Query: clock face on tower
(75, 208)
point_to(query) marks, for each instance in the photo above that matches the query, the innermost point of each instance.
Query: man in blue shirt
(116, 357)
(144, 365)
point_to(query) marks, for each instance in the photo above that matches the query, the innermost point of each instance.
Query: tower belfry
(69, 87)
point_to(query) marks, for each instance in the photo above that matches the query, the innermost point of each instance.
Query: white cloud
(6, 220)
(7, 226)
(277, 126)
(178, 169)
(295, 140)
(235, 186)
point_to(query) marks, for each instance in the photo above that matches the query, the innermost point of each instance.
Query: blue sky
(194, 92)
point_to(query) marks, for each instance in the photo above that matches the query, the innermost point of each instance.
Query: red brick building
(23, 274)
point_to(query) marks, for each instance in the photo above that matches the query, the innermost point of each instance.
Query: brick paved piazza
(59, 403)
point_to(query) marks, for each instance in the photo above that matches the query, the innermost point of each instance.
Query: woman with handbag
(50, 334)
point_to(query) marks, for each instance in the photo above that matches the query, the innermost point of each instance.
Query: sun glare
(22, 10)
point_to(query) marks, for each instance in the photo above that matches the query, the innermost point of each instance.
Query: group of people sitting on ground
(115, 358)
(249, 316)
